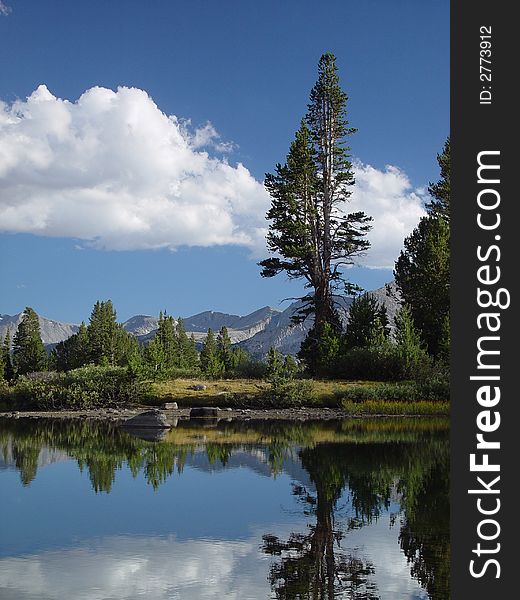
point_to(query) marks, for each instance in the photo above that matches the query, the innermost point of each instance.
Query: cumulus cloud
(396, 207)
(4, 9)
(115, 172)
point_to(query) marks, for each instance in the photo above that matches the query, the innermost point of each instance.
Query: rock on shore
(150, 419)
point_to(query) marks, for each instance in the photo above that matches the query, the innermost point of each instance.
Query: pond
(240, 510)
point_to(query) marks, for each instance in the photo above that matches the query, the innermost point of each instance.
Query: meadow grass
(354, 397)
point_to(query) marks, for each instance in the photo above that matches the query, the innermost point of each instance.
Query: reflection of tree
(100, 448)
(425, 533)
(380, 461)
(313, 565)
(26, 460)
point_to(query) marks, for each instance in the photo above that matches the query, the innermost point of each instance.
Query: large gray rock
(150, 419)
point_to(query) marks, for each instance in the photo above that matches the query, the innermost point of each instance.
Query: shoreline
(267, 414)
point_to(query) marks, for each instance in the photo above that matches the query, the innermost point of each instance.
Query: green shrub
(436, 390)
(292, 392)
(249, 369)
(87, 387)
(434, 384)
(376, 363)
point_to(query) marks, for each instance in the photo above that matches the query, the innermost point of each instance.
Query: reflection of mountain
(46, 457)
(255, 459)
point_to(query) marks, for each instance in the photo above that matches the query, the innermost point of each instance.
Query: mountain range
(256, 332)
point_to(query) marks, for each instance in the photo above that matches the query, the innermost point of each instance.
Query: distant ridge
(51, 331)
(256, 332)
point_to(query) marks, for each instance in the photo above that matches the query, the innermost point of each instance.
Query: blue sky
(104, 196)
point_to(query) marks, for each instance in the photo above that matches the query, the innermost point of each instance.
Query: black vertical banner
(485, 425)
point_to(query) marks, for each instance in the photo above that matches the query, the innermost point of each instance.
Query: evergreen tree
(171, 348)
(440, 204)
(187, 349)
(126, 346)
(154, 357)
(367, 323)
(2, 364)
(166, 337)
(29, 353)
(422, 271)
(7, 362)
(311, 235)
(445, 340)
(275, 367)
(408, 341)
(209, 359)
(422, 275)
(74, 352)
(192, 356)
(103, 333)
(224, 351)
(329, 347)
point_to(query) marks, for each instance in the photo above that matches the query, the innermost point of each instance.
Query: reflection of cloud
(138, 567)
(379, 543)
(160, 568)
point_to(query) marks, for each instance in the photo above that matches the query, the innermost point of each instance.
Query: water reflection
(317, 565)
(348, 481)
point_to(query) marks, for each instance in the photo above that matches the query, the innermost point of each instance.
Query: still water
(246, 510)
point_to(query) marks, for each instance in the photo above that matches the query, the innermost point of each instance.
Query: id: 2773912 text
(485, 64)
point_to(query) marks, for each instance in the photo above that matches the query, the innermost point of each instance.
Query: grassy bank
(359, 398)
(98, 387)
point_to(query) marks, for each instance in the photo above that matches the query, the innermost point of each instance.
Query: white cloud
(114, 171)
(4, 9)
(388, 197)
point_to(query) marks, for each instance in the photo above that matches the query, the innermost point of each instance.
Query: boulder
(199, 387)
(150, 419)
(204, 412)
(170, 406)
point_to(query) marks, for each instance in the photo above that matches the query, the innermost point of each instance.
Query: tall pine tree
(73, 352)
(440, 191)
(311, 235)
